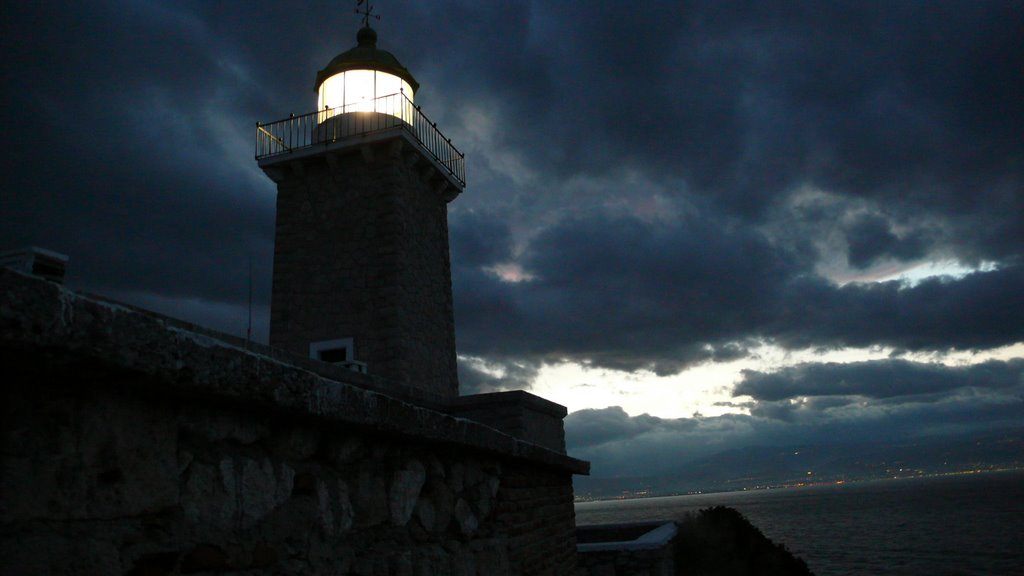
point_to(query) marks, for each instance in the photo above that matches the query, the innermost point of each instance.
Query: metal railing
(332, 124)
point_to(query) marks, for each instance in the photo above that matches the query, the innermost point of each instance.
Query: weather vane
(367, 12)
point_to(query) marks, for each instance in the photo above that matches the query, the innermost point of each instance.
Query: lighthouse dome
(356, 77)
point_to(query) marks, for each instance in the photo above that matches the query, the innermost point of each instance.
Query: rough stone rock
(493, 467)
(347, 451)
(216, 427)
(343, 560)
(463, 564)
(455, 478)
(232, 485)
(403, 565)
(379, 452)
(33, 480)
(263, 555)
(295, 443)
(363, 566)
(335, 509)
(27, 552)
(344, 511)
(205, 558)
(184, 459)
(436, 505)
(426, 513)
(473, 475)
(436, 468)
(482, 499)
(204, 498)
(467, 521)
(100, 558)
(371, 505)
(431, 561)
(494, 483)
(133, 464)
(304, 483)
(325, 507)
(405, 491)
(253, 489)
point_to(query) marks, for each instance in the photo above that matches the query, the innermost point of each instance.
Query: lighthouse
(362, 276)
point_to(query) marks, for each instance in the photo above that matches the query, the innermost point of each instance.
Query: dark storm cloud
(618, 292)
(146, 111)
(475, 378)
(890, 109)
(900, 396)
(877, 379)
(980, 310)
(912, 106)
(596, 427)
(125, 156)
(871, 238)
(480, 239)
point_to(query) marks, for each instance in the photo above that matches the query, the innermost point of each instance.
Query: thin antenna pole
(248, 330)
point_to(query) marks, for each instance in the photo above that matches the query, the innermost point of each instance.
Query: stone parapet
(177, 358)
(136, 444)
(521, 414)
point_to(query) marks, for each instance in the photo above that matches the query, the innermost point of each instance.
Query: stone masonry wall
(118, 484)
(131, 445)
(361, 251)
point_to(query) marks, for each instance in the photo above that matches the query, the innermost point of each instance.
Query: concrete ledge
(47, 329)
(658, 537)
(519, 397)
(518, 413)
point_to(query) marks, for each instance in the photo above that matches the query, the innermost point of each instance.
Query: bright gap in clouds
(509, 272)
(579, 387)
(913, 275)
(707, 389)
(947, 268)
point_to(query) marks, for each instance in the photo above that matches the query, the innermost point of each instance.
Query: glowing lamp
(365, 79)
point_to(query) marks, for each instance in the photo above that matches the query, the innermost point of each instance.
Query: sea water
(968, 524)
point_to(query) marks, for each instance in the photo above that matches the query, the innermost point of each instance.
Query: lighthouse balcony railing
(330, 125)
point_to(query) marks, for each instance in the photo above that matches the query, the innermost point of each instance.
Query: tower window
(337, 351)
(334, 355)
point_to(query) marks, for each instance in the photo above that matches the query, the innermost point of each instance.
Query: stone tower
(362, 275)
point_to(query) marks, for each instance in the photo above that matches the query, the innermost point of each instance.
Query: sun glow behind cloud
(706, 390)
(911, 275)
(510, 272)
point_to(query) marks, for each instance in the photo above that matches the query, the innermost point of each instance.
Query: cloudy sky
(699, 225)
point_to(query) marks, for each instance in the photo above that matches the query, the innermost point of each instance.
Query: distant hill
(756, 466)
